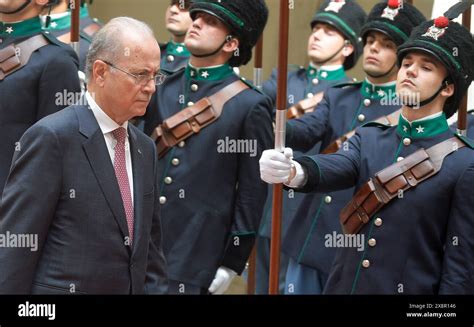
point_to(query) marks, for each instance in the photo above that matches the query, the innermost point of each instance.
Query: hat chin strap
(322, 62)
(23, 6)
(423, 103)
(227, 39)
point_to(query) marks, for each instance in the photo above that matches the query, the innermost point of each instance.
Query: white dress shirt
(107, 125)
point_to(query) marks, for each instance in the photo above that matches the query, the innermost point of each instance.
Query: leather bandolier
(15, 56)
(394, 180)
(192, 119)
(304, 106)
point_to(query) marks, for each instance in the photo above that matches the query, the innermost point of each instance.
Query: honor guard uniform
(59, 25)
(344, 108)
(331, 23)
(38, 76)
(408, 228)
(211, 205)
(174, 54)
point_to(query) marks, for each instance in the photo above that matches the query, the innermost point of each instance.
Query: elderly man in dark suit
(83, 182)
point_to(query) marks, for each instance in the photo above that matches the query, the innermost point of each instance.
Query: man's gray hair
(107, 43)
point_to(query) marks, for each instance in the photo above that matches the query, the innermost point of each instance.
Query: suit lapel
(137, 170)
(99, 159)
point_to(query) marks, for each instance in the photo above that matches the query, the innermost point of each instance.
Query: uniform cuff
(237, 251)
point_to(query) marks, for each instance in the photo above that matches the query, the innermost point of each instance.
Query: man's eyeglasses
(141, 79)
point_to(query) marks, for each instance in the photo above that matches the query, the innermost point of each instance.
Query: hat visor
(403, 52)
(194, 10)
(366, 31)
(328, 21)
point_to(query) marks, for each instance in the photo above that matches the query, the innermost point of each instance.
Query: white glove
(222, 280)
(277, 167)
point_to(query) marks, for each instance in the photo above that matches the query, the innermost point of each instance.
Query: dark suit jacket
(62, 187)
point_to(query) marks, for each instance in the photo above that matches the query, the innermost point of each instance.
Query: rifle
(280, 131)
(462, 114)
(75, 24)
(257, 78)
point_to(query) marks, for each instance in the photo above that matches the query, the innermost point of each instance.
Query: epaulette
(347, 84)
(250, 84)
(466, 140)
(53, 40)
(168, 72)
(376, 124)
(293, 68)
(85, 36)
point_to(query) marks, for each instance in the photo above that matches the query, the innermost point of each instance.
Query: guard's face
(178, 20)
(419, 77)
(380, 54)
(126, 96)
(206, 34)
(323, 42)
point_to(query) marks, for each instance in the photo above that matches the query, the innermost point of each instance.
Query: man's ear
(448, 90)
(231, 45)
(99, 72)
(347, 50)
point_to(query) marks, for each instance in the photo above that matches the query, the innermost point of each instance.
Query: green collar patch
(27, 27)
(208, 73)
(177, 49)
(424, 128)
(84, 12)
(60, 23)
(376, 92)
(65, 21)
(322, 74)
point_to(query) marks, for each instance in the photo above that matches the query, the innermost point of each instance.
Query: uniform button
(372, 242)
(310, 95)
(181, 144)
(400, 158)
(406, 141)
(168, 180)
(324, 74)
(170, 58)
(194, 87)
(190, 103)
(327, 199)
(366, 263)
(311, 72)
(378, 222)
(315, 81)
(162, 199)
(175, 162)
(367, 102)
(361, 117)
